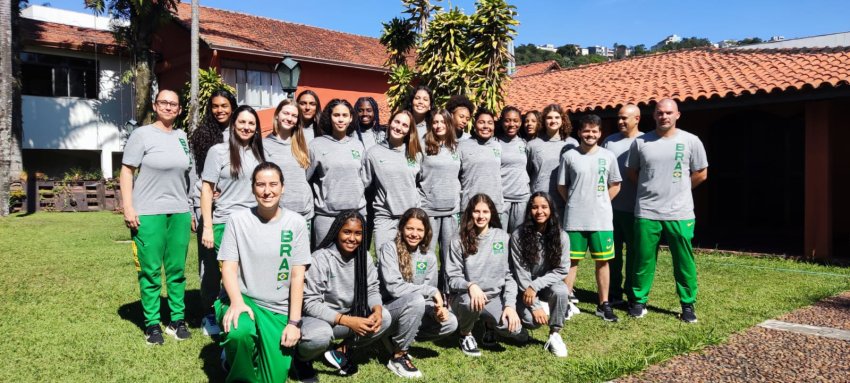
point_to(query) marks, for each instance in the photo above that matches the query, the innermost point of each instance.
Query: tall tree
(10, 100)
(144, 17)
(195, 63)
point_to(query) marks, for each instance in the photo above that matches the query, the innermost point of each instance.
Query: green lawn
(70, 312)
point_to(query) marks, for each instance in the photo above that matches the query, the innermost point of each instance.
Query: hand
(232, 315)
(477, 297)
(360, 326)
(291, 335)
(194, 225)
(441, 313)
(376, 320)
(529, 296)
(540, 316)
(510, 317)
(130, 218)
(216, 194)
(208, 238)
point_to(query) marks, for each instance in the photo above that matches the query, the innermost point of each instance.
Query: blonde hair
(405, 260)
(299, 144)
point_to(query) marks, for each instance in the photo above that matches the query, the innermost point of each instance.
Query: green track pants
(161, 242)
(624, 235)
(678, 235)
(253, 348)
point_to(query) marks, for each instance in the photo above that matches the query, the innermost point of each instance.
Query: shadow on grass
(132, 312)
(211, 356)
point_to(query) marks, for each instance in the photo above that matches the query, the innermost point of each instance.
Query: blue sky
(583, 22)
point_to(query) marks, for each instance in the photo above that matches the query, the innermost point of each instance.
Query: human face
(268, 188)
(628, 119)
(365, 113)
(481, 216)
(421, 103)
(414, 232)
(340, 118)
(287, 118)
(221, 109)
(589, 135)
(666, 114)
(399, 128)
(461, 117)
(553, 123)
(540, 210)
(167, 107)
(484, 126)
(438, 124)
(511, 123)
(245, 126)
(349, 236)
(308, 105)
(530, 124)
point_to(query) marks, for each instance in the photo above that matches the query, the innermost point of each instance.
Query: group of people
(485, 224)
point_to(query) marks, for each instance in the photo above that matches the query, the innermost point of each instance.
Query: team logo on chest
(421, 267)
(411, 163)
(497, 153)
(355, 154)
(498, 247)
(285, 253)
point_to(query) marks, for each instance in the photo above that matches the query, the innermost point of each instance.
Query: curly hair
(432, 143)
(468, 233)
(531, 239)
(209, 131)
(458, 101)
(523, 132)
(566, 125)
(326, 123)
(404, 257)
(317, 130)
(360, 306)
(500, 125)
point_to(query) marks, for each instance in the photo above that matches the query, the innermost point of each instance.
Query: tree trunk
(195, 62)
(6, 85)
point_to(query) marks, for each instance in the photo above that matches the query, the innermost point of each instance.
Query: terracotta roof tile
(536, 68)
(42, 33)
(683, 75)
(240, 31)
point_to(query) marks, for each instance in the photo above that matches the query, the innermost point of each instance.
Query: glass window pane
(60, 82)
(36, 80)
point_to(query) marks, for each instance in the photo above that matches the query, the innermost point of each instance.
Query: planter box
(77, 196)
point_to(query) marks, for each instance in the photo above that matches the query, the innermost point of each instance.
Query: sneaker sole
(472, 354)
(173, 333)
(602, 315)
(149, 343)
(402, 373)
(642, 314)
(548, 349)
(330, 359)
(687, 321)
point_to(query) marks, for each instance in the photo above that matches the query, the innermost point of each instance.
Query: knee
(415, 303)
(245, 330)
(559, 292)
(449, 326)
(315, 335)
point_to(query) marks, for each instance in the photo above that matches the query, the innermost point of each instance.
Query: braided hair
(360, 306)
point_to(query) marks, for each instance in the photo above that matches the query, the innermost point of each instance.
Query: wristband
(296, 323)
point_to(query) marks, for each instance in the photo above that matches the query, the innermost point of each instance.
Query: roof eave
(280, 55)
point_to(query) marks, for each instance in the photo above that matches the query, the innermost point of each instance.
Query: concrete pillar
(106, 163)
(817, 236)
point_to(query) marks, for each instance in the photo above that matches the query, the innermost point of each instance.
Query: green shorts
(600, 243)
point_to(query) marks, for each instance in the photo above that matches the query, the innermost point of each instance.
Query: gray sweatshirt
(481, 170)
(439, 185)
(297, 195)
(393, 284)
(371, 137)
(539, 276)
(330, 285)
(515, 181)
(236, 193)
(489, 268)
(334, 173)
(394, 177)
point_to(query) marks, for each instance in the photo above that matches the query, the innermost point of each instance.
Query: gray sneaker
(403, 367)
(178, 330)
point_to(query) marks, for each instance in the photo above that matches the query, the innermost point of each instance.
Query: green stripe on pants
(624, 234)
(162, 240)
(253, 347)
(678, 235)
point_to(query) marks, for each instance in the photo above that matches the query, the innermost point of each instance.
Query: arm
(523, 276)
(557, 274)
(613, 190)
(230, 280)
(366, 169)
(291, 334)
(563, 177)
(454, 268)
(131, 219)
(632, 173)
(207, 237)
(697, 177)
(562, 190)
(374, 297)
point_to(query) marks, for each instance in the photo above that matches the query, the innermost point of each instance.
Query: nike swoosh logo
(690, 224)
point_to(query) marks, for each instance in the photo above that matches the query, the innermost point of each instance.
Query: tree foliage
(528, 53)
(208, 82)
(687, 42)
(750, 40)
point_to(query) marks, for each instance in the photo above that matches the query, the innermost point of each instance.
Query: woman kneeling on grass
(342, 299)
(540, 253)
(408, 271)
(479, 271)
(264, 254)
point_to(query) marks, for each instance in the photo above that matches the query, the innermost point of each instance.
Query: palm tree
(10, 101)
(193, 111)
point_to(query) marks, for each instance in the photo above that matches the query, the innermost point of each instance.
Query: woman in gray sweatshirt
(544, 153)
(479, 273)
(392, 167)
(287, 148)
(481, 162)
(311, 109)
(334, 171)
(515, 187)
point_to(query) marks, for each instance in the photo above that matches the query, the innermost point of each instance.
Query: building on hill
(667, 40)
(772, 124)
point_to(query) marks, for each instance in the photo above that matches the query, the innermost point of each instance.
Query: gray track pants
(492, 315)
(414, 318)
(443, 229)
(386, 229)
(513, 215)
(557, 296)
(317, 335)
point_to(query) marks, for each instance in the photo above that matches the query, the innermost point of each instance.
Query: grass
(71, 312)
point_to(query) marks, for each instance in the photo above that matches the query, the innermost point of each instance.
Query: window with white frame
(256, 85)
(58, 76)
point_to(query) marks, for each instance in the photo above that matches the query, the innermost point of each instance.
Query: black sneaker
(688, 314)
(469, 346)
(178, 330)
(341, 362)
(303, 371)
(604, 311)
(637, 310)
(490, 338)
(153, 335)
(403, 367)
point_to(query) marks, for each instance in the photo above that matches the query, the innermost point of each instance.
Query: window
(255, 85)
(58, 76)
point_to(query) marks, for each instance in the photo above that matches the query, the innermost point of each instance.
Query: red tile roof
(686, 75)
(242, 32)
(536, 68)
(54, 35)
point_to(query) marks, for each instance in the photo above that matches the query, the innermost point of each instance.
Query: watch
(296, 323)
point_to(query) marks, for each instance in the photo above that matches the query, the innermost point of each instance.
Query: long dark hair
(326, 123)
(376, 121)
(360, 306)
(411, 140)
(235, 148)
(530, 239)
(405, 264)
(408, 105)
(468, 234)
(317, 131)
(523, 132)
(432, 144)
(208, 132)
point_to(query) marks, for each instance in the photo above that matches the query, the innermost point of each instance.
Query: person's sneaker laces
(556, 345)
(341, 362)
(490, 338)
(688, 314)
(403, 367)
(178, 330)
(303, 371)
(210, 326)
(469, 346)
(604, 311)
(637, 310)
(153, 335)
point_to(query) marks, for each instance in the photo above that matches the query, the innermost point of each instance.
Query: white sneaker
(210, 326)
(556, 345)
(572, 310)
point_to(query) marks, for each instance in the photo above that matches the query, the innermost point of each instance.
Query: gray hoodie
(480, 170)
(297, 195)
(393, 284)
(330, 285)
(334, 173)
(539, 276)
(394, 177)
(439, 186)
(489, 268)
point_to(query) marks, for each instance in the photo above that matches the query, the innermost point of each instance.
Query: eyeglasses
(167, 104)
